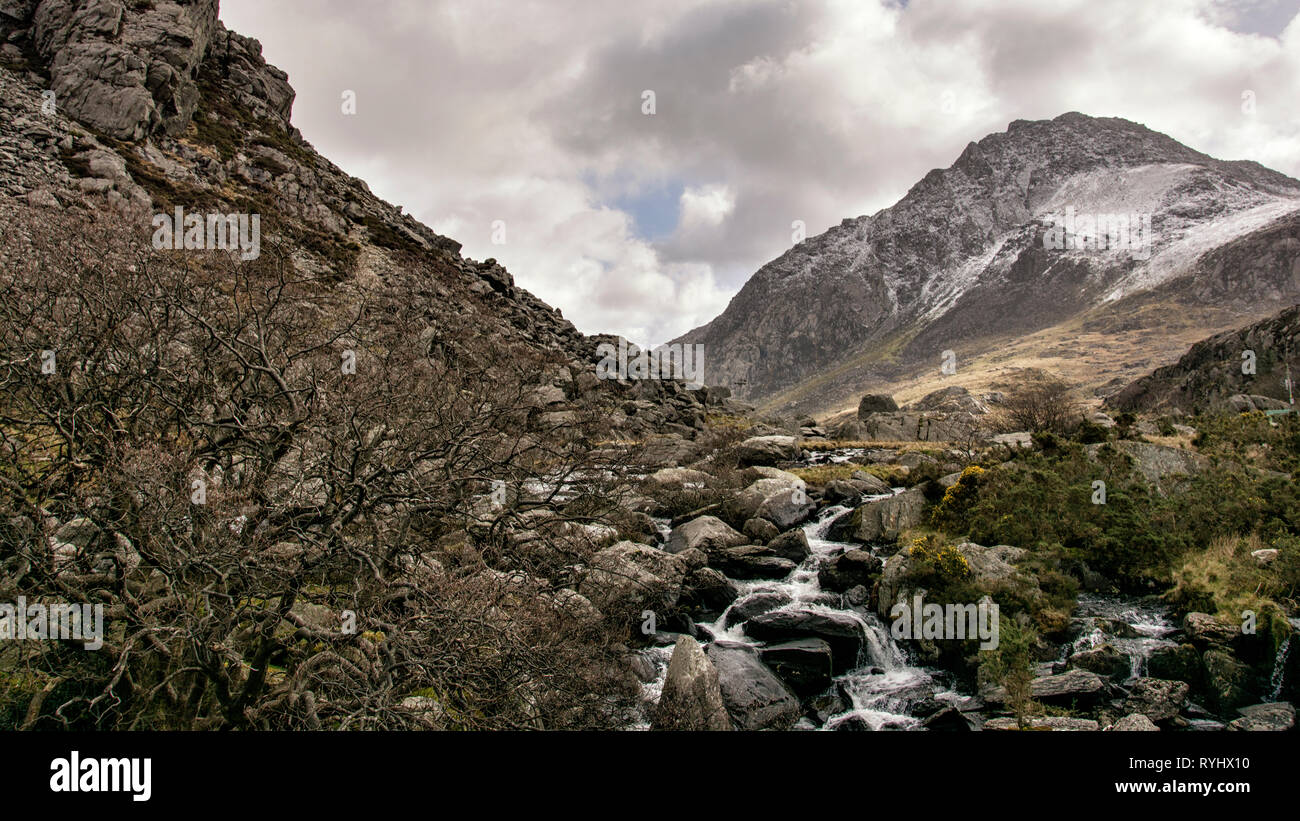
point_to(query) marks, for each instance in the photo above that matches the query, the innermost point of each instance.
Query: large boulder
(1104, 660)
(677, 479)
(1157, 463)
(841, 631)
(1204, 630)
(804, 664)
(707, 533)
(1157, 699)
(919, 426)
(849, 569)
(751, 562)
(874, 403)
(767, 450)
(1274, 717)
(754, 696)
(1050, 723)
(792, 545)
(786, 507)
(752, 605)
(692, 695)
(628, 575)
(881, 520)
(953, 399)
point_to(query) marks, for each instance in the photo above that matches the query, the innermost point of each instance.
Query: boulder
(1050, 723)
(1275, 717)
(751, 562)
(767, 450)
(804, 664)
(678, 479)
(876, 403)
(707, 533)
(792, 545)
(1105, 661)
(1157, 699)
(1225, 680)
(1264, 557)
(629, 575)
(692, 694)
(755, 698)
(1204, 630)
(841, 492)
(754, 604)
(786, 507)
(1179, 663)
(760, 531)
(1066, 688)
(880, 520)
(849, 569)
(1156, 462)
(1134, 723)
(841, 631)
(987, 565)
(707, 589)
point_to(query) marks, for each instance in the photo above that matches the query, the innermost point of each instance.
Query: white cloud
(471, 111)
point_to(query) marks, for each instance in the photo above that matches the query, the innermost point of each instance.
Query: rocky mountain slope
(960, 262)
(136, 108)
(1245, 369)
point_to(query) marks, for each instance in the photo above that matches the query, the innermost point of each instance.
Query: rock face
(754, 696)
(987, 564)
(1209, 376)
(1157, 462)
(964, 257)
(692, 696)
(125, 68)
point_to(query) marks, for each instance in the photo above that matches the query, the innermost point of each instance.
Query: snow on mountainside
(962, 256)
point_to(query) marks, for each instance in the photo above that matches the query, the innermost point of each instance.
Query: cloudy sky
(530, 116)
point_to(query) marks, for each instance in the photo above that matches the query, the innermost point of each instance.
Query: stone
(628, 575)
(804, 664)
(786, 507)
(754, 696)
(751, 562)
(707, 533)
(1157, 699)
(1274, 717)
(852, 568)
(881, 520)
(760, 531)
(692, 694)
(841, 631)
(792, 545)
(876, 403)
(753, 605)
(1050, 723)
(1134, 723)
(767, 450)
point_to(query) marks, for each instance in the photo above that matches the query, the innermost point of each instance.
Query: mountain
(962, 263)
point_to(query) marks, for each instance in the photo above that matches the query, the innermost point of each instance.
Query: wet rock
(1105, 661)
(948, 719)
(754, 696)
(804, 664)
(1225, 680)
(1204, 630)
(841, 492)
(709, 590)
(850, 569)
(1068, 687)
(692, 694)
(1181, 663)
(841, 631)
(751, 562)
(753, 605)
(792, 545)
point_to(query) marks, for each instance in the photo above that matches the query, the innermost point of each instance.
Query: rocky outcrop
(881, 520)
(767, 450)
